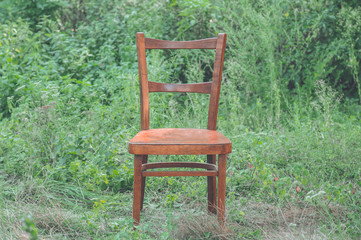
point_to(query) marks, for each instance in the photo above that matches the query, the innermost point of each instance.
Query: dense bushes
(276, 51)
(279, 51)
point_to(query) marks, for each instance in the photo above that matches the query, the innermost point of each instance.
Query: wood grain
(137, 188)
(209, 43)
(144, 161)
(212, 187)
(222, 160)
(190, 87)
(180, 165)
(216, 81)
(181, 141)
(179, 173)
(143, 82)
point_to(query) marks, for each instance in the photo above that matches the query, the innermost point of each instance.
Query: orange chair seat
(179, 141)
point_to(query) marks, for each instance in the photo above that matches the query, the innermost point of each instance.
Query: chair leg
(145, 160)
(222, 159)
(137, 188)
(212, 187)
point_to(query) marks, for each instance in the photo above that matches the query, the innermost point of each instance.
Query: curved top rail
(208, 43)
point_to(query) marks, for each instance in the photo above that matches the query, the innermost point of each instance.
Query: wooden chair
(181, 141)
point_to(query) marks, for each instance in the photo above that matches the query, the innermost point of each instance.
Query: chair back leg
(144, 161)
(212, 187)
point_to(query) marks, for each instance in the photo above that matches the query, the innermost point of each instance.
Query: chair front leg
(222, 163)
(137, 190)
(212, 187)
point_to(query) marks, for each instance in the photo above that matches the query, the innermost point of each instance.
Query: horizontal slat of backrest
(209, 43)
(190, 87)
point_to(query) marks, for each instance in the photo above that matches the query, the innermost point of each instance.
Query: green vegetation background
(290, 103)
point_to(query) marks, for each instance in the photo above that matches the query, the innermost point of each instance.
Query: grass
(188, 219)
(326, 206)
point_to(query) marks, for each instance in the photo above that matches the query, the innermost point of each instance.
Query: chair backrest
(213, 88)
